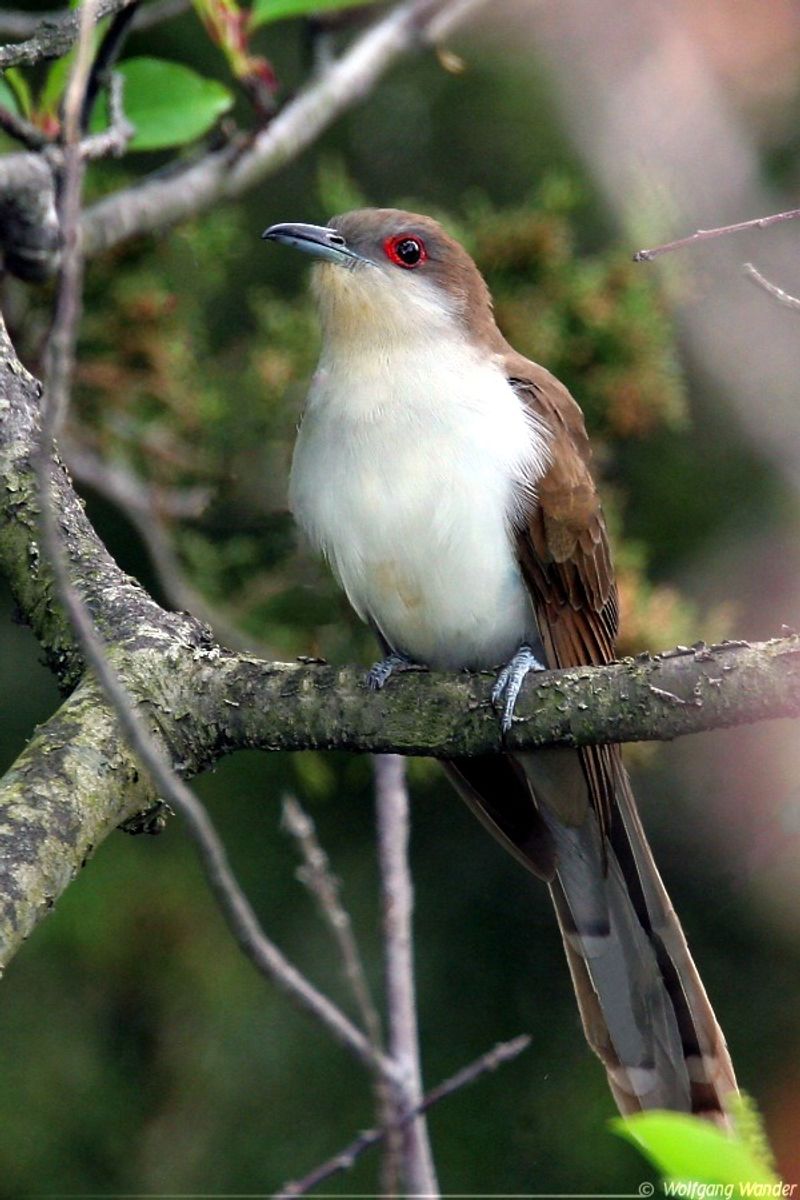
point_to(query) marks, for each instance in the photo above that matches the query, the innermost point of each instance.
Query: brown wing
(563, 546)
(564, 553)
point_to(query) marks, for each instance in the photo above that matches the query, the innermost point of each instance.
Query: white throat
(414, 457)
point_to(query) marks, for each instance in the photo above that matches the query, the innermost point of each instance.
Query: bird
(447, 480)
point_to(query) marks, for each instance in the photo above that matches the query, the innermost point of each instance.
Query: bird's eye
(405, 250)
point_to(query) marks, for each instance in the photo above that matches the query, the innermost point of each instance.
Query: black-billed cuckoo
(446, 479)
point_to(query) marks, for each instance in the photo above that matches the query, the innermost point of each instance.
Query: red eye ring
(405, 250)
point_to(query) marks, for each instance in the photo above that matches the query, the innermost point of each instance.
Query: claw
(510, 680)
(393, 664)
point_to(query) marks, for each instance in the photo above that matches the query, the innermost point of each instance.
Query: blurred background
(140, 1053)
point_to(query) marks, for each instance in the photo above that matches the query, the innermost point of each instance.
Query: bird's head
(385, 276)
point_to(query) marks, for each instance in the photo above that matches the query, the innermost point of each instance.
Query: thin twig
(60, 352)
(128, 490)
(705, 235)
(785, 298)
(318, 877)
(145, 507)
(397, 895)
(112, 142)
(21, 130)
(234, 905)
(342, 1161)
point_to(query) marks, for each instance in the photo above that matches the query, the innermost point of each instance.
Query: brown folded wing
(563, 550)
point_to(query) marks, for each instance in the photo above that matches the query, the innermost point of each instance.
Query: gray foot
(393, 664)
(509, 682)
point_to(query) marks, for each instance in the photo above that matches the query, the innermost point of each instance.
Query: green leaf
(265, 11)
(686, 1148)
(168, 104)
(7, 97)
(18, 84)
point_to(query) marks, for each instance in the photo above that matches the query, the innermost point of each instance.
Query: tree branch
(705, 235)
(316, 874)
(397, 901)
(16, 23)
(502, 1053)
(54, 35)
(777, 293)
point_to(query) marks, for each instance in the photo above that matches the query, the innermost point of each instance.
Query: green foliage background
(140, 1052)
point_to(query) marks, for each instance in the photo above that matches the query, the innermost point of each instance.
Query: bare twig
(60, 353)
(182, 594)
(779, 294)
(127, 490)
(234, 905)
(392, 816)
(324, 886)
(705, 235)
(112, 142)
(146, 507)
(317, 875)
(342, 1161)
(21, 130)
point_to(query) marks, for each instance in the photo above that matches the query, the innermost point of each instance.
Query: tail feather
(643, 1006)
(708, 1062)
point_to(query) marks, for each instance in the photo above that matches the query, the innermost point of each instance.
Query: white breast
(408, 470)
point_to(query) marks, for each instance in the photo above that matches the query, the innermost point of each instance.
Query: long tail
(643, 1006)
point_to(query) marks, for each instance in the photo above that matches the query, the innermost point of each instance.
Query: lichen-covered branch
(74, 782)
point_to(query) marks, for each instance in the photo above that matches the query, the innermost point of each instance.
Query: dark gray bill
(319, 240)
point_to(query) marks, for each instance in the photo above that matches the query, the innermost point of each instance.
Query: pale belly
(414, 519)
(436, 576)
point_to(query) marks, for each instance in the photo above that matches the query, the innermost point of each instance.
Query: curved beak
(319, 240)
